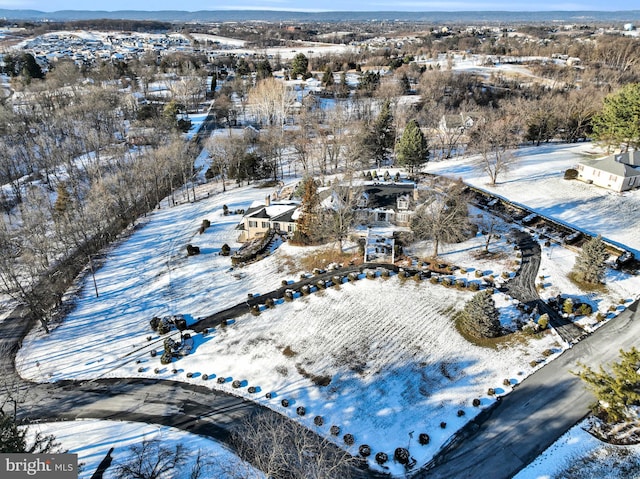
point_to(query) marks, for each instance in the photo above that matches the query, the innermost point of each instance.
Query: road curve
(544, 406)
(497, 444)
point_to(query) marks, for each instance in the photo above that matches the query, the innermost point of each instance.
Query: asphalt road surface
(544, 406)
(501, 440)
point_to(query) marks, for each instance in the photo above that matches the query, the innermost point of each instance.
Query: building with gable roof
(619, 172)
(261, 217)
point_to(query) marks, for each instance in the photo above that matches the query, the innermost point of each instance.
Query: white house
(261, 217)
(619, 172)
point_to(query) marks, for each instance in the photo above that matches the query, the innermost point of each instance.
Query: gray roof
(613, 166)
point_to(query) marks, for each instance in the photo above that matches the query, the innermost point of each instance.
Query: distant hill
(277, 16)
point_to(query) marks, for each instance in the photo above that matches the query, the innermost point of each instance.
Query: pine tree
(379, 141)
(480, 317)
(617, 124)
(327, 77)
(299, 66)
(306, 225)
(263, 70)
(615, 391)
(214, 82)
(590, 264)
(14, 439)
(412, 149)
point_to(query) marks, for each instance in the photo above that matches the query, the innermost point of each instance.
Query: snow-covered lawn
(388, 348)
(91, 440)
(536, 180)
(578, 454)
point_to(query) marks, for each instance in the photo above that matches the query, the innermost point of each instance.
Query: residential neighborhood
(321, 247)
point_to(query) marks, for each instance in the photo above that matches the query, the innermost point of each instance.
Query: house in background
(619, 172)
(456, 123)
(261, 217)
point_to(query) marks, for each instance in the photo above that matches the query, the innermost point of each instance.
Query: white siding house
(620, 172)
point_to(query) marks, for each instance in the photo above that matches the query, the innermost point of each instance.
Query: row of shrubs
(401, 454)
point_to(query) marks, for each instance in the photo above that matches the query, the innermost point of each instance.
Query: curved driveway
(497, 444)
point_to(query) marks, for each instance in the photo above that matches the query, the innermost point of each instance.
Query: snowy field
(91, 440)
(396, 364)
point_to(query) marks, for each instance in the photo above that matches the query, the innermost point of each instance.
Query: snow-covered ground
(396, 364)
(577, 454)
(537, 181)
(91, 440)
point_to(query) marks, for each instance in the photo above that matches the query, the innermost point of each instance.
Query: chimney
(267, 200)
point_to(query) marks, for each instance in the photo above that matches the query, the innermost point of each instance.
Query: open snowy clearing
(396, 364)
(91, 440)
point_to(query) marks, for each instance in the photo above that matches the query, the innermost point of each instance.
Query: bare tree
(282, 449)
(271, 100)
(443, 217)
(151, 460)
(338, 217)
(491, 228)
(494, 137)
(224, 151)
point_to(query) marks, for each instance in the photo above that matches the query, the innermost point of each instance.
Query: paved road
(537, 412)
(497, 444)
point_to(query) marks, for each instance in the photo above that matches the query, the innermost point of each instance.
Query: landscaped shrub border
(401, 454)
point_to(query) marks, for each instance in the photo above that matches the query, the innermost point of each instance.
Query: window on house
(612, 178)
(290, 228)
(402, 217)
(276, 226)
(265, 224)
(632, 180)
(403, 204)
(253, 224)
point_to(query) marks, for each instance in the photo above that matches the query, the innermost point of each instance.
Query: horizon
(331, 6)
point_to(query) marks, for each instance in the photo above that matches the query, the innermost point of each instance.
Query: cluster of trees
(74, 183)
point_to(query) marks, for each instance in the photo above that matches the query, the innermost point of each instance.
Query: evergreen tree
(369, 81)
(299, 66)
(480, 317)
(615, 391)
(14, 439)
(618, 124)
(327, 77)
(31, 69)
(590, 265)
(263, 70)
(406, 85)
(307, 222)
(381, 136)
(242, 67)
(412, 149)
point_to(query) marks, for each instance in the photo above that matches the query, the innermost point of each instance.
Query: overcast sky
(323, 5)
